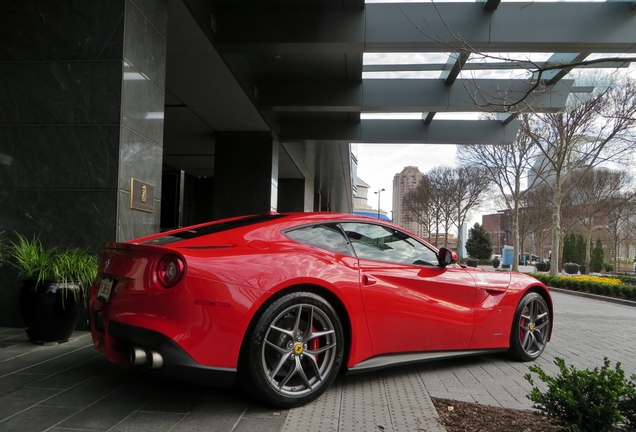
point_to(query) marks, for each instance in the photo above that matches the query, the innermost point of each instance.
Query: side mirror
(446, 256)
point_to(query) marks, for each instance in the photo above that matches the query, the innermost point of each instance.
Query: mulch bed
(458, 416)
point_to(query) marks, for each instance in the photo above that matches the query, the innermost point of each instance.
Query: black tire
(530, 328)
(294, 352)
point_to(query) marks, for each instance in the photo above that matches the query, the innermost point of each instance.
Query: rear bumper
(177, 364)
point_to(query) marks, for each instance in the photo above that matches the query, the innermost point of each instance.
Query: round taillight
(170, 270)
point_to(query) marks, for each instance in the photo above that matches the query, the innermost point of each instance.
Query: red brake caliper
(314, 344)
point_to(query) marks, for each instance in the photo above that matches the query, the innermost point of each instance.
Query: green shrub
(626, 279)
(608, 266)
(583, 400)
(596, 260)
(627, 407)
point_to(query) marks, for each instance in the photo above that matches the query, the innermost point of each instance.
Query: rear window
(211, 229)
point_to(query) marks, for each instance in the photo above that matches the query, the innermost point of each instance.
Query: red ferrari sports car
(282, 303)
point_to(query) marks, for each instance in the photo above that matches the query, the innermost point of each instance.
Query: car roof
(283, 220)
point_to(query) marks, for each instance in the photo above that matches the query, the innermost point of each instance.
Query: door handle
(368, 280)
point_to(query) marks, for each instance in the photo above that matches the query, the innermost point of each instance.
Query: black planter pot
(571, 268)
(542, 266)
(472, 263)
(49, 310)
(495, 263)
(582, 269)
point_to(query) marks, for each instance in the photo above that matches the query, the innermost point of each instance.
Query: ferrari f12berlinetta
(282, 303)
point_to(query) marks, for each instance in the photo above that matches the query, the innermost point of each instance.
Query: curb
(595, 296)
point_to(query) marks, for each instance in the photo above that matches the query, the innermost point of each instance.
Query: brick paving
(71, 387)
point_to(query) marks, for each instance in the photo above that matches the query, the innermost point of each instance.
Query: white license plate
(105, 288)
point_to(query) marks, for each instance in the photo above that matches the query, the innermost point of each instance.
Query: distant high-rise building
(403, 183)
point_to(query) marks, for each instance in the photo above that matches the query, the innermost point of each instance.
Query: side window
(379, 243)
(327, 236)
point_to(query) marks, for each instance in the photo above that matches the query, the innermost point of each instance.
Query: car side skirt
(389, 360)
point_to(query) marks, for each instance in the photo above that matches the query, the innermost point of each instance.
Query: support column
(291, 195)
(245, 174)
(81, 113)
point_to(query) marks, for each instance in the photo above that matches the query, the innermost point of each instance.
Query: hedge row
(576, 283)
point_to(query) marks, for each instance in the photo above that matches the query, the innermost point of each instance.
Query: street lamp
(378, 193)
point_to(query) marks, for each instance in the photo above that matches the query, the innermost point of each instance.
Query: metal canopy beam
(526, 65)
(409, 96)
(455, 65)
(605, 27)
(553, 76)
(537, 27)
(491, 5)
(428, 118)
(402, 131)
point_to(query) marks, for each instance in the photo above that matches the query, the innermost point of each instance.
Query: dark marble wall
(142, 110)
(245, 174)
(291, 195)
(81, 112)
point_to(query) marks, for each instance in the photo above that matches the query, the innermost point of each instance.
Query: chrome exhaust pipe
(138, 357)
(155, 360)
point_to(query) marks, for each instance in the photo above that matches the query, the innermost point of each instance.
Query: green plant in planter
(53, 282)
(31, 259)
(75, 266)
(571, 268)
(68, 267)
(472, 261)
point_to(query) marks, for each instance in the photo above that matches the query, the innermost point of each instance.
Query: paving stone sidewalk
(71, 387)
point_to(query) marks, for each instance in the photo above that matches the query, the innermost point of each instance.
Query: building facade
(403, 182)
(361, 202)
(499, 226)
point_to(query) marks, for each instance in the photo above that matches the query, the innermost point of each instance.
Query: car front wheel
(530, 328)
(295, 350)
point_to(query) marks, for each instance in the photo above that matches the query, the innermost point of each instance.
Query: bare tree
(443, 189)
(620, 224)
(471, 186)
(418, 205)
(535, 208)
(429, 203)
(569, 217)
(594, 193)
(507, 165)
(573, 142)
(445, 198)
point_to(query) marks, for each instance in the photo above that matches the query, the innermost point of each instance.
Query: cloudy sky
(378, 163)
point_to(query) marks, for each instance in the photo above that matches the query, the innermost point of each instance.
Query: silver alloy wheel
(534, 327)
(299, 350)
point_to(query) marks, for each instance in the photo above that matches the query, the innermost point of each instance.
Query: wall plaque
(142, 196)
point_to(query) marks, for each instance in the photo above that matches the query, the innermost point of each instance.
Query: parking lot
(71, 387)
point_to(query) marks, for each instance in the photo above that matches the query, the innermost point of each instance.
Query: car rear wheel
(295, 351)
(530, 328)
